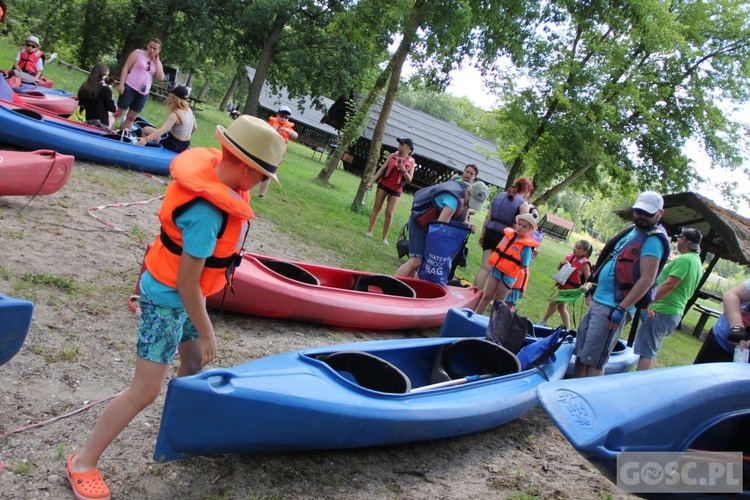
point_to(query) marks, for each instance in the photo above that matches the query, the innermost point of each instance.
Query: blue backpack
(539, 351)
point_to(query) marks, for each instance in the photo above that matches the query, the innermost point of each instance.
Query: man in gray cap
(677, 283)
(625, 274)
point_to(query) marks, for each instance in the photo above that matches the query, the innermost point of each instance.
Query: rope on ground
(59, 417)
(113, 227)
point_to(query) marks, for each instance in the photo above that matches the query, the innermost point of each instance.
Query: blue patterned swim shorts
(161, 331)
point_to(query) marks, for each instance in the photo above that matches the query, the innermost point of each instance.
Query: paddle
(450, 383)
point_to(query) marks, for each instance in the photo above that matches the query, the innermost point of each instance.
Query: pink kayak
(274, 288)
(31, 173)
(58, 104)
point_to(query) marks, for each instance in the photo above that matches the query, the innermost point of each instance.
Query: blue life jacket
(424, 209)
(503, 211)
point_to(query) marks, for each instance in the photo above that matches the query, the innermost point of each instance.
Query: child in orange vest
(204, 216)
(285, 128)
(512, 255)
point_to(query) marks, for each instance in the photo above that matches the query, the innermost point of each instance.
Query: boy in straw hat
(511, 256)
(204, 219)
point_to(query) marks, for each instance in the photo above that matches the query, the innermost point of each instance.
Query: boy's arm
(188, 286)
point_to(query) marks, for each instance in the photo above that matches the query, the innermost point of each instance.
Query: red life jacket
(393, 179)
(576, 277)
(628, 269)
(506, 257)
(195, 177)
(27, 61)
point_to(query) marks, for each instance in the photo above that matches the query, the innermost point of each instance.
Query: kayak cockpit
(425, 368)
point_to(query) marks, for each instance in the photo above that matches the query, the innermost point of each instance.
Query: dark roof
(726, 234)
(303, 110)
(439, 141)
(435, 140)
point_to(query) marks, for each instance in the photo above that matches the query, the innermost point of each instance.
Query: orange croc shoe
(87, 485)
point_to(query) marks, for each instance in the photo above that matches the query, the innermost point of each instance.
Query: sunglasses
(148, 65)
(31, 45)
(638, 211)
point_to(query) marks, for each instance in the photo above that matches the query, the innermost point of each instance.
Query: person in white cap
(29, 60)
(285, 128)
(442, 202)
(204, 218)
(625, 276)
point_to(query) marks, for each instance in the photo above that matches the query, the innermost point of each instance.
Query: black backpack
(508, 328)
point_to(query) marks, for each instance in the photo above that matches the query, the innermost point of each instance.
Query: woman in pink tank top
(139, 71)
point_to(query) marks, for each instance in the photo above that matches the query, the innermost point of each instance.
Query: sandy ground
(80, 349)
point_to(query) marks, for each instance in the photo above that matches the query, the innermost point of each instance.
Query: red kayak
(45, 82)
(31, 173)
(58, 104)
(265, 286)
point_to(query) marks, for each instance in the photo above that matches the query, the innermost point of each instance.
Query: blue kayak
(466, 323)
(695, 407)
(15, 319)
(349, 396)
(37, 129)
(30, 87)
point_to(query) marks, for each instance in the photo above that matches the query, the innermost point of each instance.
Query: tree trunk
(562, 185)
(354, 124)
(264, 62)
(228, 95)
(204, 90)
(396, 63)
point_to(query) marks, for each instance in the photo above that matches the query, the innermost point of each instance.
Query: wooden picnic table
(705, 314)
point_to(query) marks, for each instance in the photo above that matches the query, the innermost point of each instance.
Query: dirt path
(80, 349)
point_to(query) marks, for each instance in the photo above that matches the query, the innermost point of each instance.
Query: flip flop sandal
(87, 485)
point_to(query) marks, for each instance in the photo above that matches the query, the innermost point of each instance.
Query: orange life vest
(27, 61)
(274, 121)
(195, 177)
(506, 257)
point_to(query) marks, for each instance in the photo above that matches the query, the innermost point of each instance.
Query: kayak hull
(694, 407)
(15, 319)
(34, 128)
(296, 401)
(333, 299)
(31, 173)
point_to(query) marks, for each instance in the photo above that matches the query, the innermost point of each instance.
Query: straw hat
(255, 142)
(528, 218)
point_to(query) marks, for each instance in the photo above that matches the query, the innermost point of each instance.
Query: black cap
(180, 91)
(692, 235)
(407, 141)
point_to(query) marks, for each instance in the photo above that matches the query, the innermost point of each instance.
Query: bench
(194, 102)
(705, 313)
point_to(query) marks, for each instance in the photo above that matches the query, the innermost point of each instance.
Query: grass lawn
(321, 215)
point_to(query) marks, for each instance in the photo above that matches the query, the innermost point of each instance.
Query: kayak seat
(291, 271)
(473, 356)
(29, 113)
(388, 285)
(368, 371)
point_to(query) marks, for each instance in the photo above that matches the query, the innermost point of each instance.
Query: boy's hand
(208, 349)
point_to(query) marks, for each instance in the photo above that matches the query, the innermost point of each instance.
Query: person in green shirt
(676, 284)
